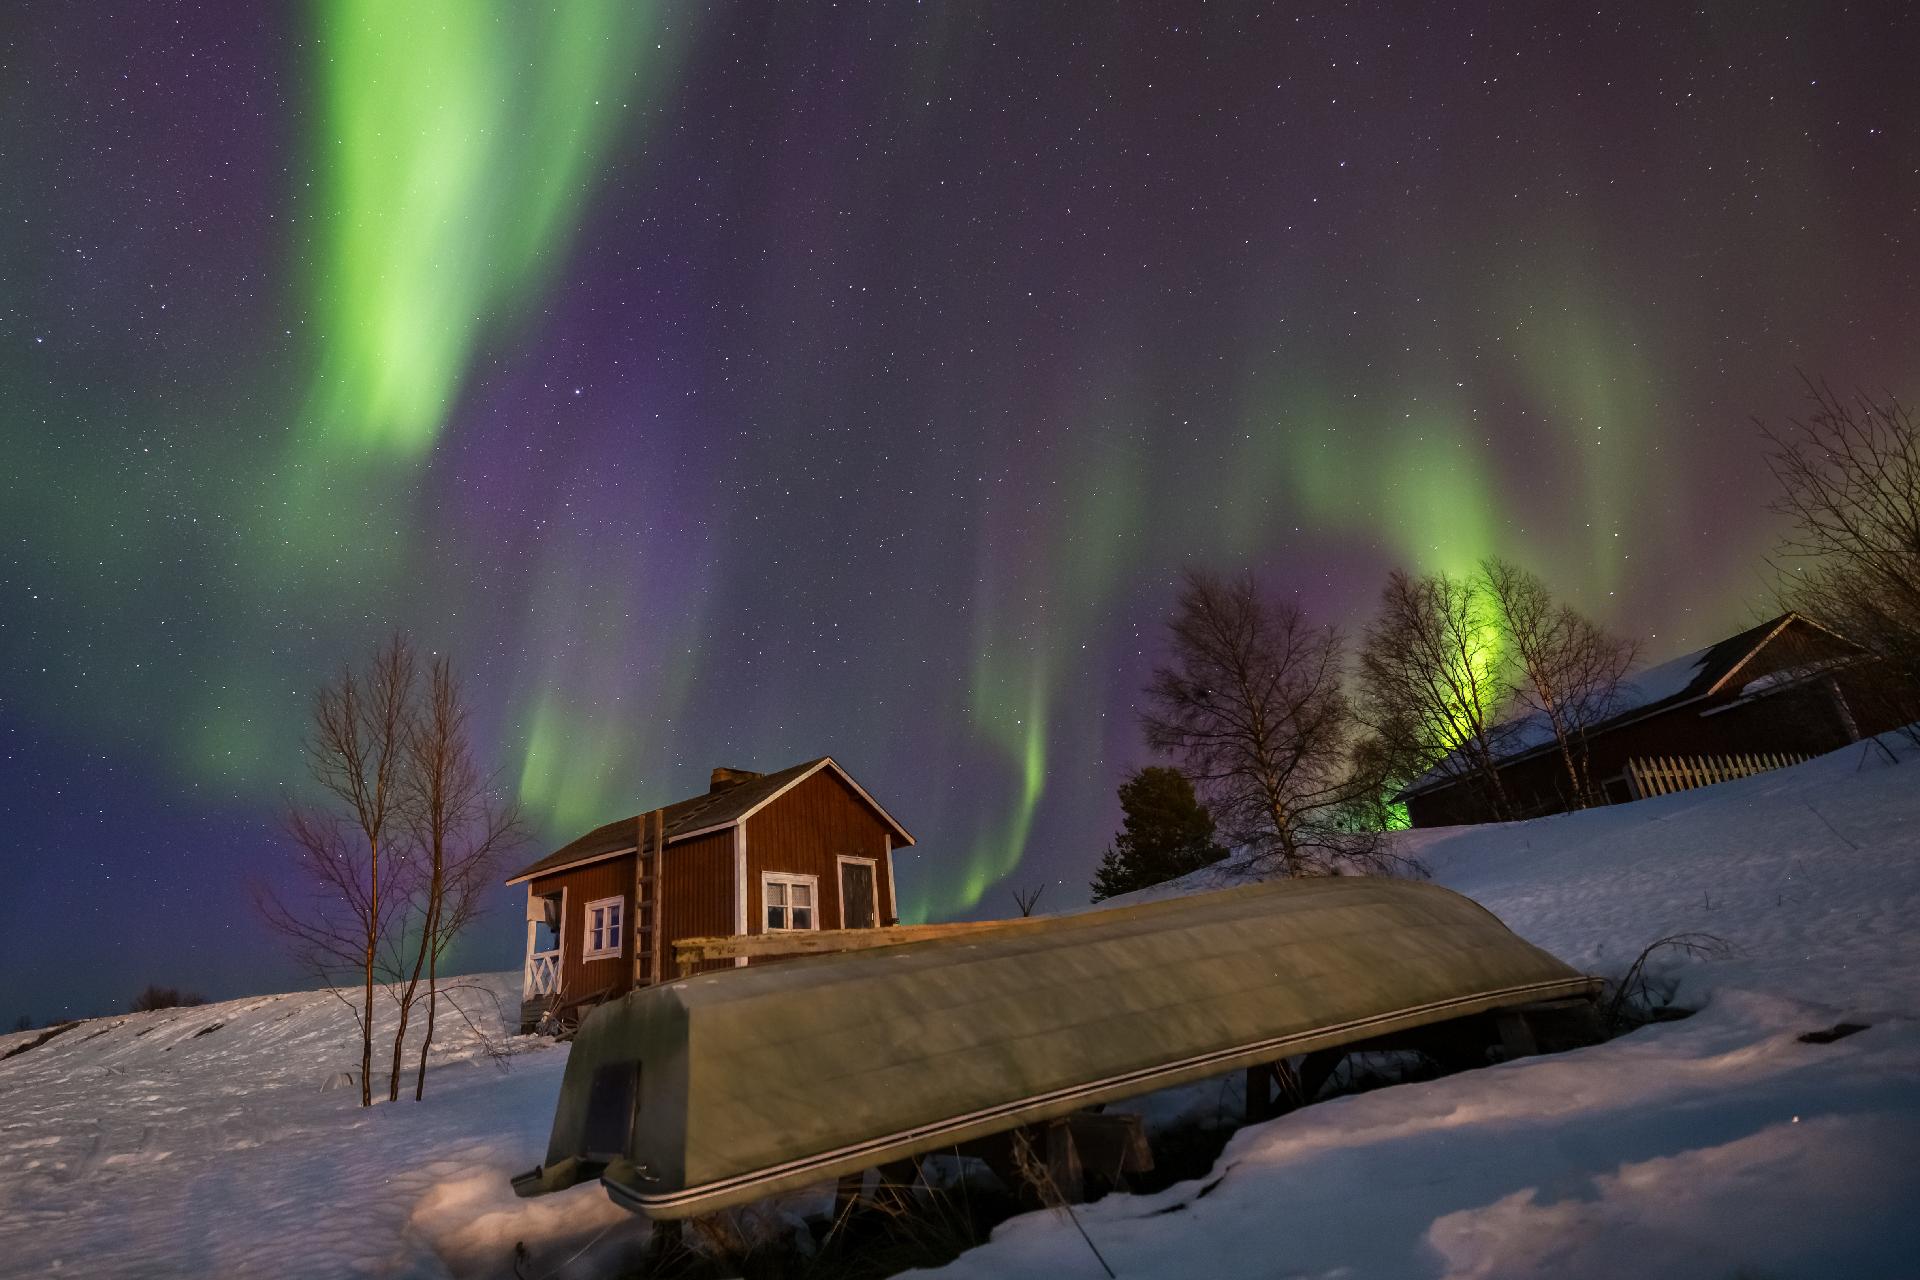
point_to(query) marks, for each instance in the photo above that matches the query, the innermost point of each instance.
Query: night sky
(733, 385)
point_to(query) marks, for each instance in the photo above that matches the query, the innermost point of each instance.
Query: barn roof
(698, 815)
(1675, 682)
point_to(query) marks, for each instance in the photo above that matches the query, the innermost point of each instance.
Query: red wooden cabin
(801, 849)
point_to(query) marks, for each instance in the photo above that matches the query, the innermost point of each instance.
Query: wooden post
(1259, 1093)
(1316, 1069)
(895, 1180)
(846, 1194)
(1516, 1037)
(1063, 1163)
(1109, 1145)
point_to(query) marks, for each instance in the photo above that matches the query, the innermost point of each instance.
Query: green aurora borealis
(454, 148)
(734, 387)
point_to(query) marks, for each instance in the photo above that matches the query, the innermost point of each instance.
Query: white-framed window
(604, 917)
(792, 901)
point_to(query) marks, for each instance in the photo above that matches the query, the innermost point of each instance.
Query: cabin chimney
(724, 778)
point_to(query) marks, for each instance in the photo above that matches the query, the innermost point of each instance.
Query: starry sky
(737, 384)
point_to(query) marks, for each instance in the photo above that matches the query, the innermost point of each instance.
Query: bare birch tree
(1381, 764)
(459, 832)
(1251, 705)
(1849, 486)
(344, 842)
(1567, 668)
(1431, 677)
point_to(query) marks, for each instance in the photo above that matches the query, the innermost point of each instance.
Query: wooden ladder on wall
(649, 844)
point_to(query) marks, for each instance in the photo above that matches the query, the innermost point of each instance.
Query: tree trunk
(366, 1016)
(1283, 830)
(1579, 797)
(1496, 788)
(405, 1015)
(433, 996)
(426, 1041)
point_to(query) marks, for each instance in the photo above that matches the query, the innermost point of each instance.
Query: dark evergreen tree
(1165, 832)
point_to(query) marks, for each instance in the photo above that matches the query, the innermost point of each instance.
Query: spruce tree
(1165, 832)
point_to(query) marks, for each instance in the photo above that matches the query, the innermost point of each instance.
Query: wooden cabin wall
(699, 894)
(803, 832)
(611, 878)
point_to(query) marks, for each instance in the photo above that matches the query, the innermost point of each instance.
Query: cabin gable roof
(702, 814)
(1692, 677)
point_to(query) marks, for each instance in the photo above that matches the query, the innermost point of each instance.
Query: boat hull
(725, 1088)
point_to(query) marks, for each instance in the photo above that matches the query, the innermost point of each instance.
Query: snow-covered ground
(205, 1142)
(1716, 1147)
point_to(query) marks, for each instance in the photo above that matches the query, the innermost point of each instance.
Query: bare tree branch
(462, 832)
(1568, 670)
(1434, 683)
(1849, 486)
(344, 920)
(1252, 707)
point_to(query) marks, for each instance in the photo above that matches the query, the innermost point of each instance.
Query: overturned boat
(722, 1088)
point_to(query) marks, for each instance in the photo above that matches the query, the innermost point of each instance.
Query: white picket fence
(1663, 775)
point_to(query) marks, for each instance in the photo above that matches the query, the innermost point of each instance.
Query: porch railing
(542, 977)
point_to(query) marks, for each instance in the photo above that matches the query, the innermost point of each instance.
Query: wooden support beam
(1259, 1104)
(1110, 1144)
(895, 1181)
(1037, 1161)
(1316, 1069)
(846, 1194)
(1516, 1037)
(1288, 1094)
(1063, 1164)
(803, 942)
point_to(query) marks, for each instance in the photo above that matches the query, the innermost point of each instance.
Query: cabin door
(859, 903)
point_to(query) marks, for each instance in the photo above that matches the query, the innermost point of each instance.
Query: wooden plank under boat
(722, 1088)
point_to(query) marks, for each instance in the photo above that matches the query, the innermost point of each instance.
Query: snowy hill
(201, 1142)
(204, 1142)
(1718, 1147)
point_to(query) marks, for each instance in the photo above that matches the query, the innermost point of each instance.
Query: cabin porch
(540, 985)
